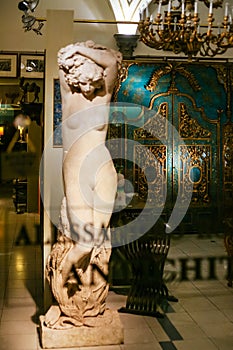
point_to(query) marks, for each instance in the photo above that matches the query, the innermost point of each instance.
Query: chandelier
(179, 28)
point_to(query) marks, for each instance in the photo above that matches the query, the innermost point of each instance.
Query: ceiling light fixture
(178, 27)
(28, 20)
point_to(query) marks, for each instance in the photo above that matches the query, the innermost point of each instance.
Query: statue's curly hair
(75, 65)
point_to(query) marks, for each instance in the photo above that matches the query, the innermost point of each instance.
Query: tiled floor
(201, 320)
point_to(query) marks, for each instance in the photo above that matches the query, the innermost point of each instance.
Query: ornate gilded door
(192, 159)
(192, 99)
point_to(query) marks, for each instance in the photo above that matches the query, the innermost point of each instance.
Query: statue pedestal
(106, 330)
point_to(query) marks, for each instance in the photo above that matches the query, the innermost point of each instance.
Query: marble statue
(77, 267)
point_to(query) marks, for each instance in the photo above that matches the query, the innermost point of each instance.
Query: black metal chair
(147, 256)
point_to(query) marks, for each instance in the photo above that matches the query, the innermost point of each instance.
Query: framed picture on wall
(32, 66)
(8, 65)
(57, 114)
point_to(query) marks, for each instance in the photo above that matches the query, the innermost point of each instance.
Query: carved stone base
(107, 330)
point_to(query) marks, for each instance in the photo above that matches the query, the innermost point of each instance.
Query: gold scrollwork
(189, 127)
(114, 132)
(222, 73)
(228, 162)
(150, 178)
(154, 128)
(176, 67)
(151, 86)
(122, 76)
(189, 76)
(196, 157)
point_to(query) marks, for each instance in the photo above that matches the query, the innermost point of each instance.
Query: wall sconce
(21, 122)
(21, 129)
(126, 44)
(27, 19)
(1, 133)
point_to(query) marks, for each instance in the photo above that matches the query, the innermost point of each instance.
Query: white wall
(14, 38)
